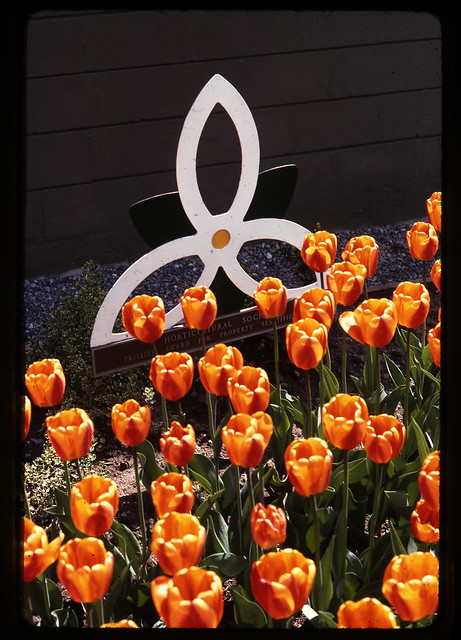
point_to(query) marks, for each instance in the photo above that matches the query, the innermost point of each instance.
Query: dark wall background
(352, 98)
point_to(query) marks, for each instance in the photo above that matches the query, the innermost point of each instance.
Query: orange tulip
(199, 307)
(319, 250)
(144, 317)
(411, 585)
(346, 281)
(26, 417)
(412, 303)
(39, 554)
(45, 382)
(93, 505)
(436, 274)
(306, 342)
(425, 522)
(271, 298)
(246, 437)
(434, 210)
(122, 624)
(281, 582)
(218, 365)
(178, 444)
(172, 374)
(367, 613)
(172, 492)
(70, 433)
(422, 241)
(315, 303)
(268, 525)
(249, 391)
(191, 599)
(384, 437)
(429, 479)
(178, 540)
(85, 569)
(345, 419)
(433, 340)
(373, 322)
(131, 422)
(362, 250)
(308, 462)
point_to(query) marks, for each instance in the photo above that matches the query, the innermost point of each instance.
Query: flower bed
(316, 506)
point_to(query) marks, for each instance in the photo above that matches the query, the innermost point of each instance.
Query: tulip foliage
(321, 507)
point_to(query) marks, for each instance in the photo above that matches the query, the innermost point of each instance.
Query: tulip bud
(422, 241)
(178, 444)
(130, 422)
(306, 343)
(172, 374)
(308, 462)
(345, 419)
(268, 525)
(217, 366)
(178, 540)
(93, 505)
(246, 437)
(70, 433)
(362, 250)
(316, 303)
(144, 318)
(249, 390)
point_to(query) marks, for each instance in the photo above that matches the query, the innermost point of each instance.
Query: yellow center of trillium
(220, 238)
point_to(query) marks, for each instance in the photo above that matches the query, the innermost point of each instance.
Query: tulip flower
(85, 569)
(246, 437)
(178, 540)
(218, 365)
(412, 303)
(70, 433)
(433, 340)
(362, 250)
(45, 382)
(93, 505)
(199, 307)
(434, 210)
(271, 298)
(315, 303)
(178, 444)
(172, 492)
(319, 250)
(411, 585)
(422, 241)
(282, 581)
(39, 554)
(308, 462)
(249, 390)
(425, 522)
(436, 274)
(345, 419)
(26, 417)
(268, 525)
(306, 343)
(172, 374)
(367, 613)
(429, 479)
(191, 599)
(144, 318)
(121, 624)
(130, 422)
(345, 281)
(373, 322)
(384, 437)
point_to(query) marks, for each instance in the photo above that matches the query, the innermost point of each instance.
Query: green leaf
(128, 544)
(150, 469)
(421, 442)
(397, 545)
(202, 510)
(326, 593)
(357, 469)
(218, 532)
(395, 373)
(330, 380)
(65, 617)
(246, 612)
(227, 564)
(202, 468)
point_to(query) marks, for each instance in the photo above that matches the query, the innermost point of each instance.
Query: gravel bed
(259, 258)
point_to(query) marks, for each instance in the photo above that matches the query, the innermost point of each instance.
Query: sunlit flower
(412, 303)
(46, 382)
(39, 554)
(246, 437)
(436, 274)
(308, 462)
(429, 479)
(306, 342)
(178, 444)
(345, 419)
(144, 317)
(130, 422)
(268, 525)
(362, 250)
(199, 307)
(425, 522)
(172, 492)
(434, 210)
(315, 303)
(26, 416)
(70, 433)
(271, 298)
(433, 340)
(178, 540)
(93, 504)
(319, 250)
(249, 390)
(383, 438)
(423, 241)
(373, 322)
(367, 613)
(217, 366)
(172, 374)
(345, 280)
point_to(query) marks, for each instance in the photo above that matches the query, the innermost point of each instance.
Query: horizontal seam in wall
(232, 163)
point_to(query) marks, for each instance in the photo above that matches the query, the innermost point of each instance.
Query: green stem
(250, 488)
(141, 511)
(26, 501)
(309, 432)
(261, 481)
(27, 603)
(365, 290)
(377, 380)
(79, 470)
(423, 336)
(406, 417)
(66, 473)
(343, 363)
(319, 576)
(239, 508)
(182, 417)
(374, 516)
(166, 422)
(345, 512)
(321, 385)
(276, 362)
